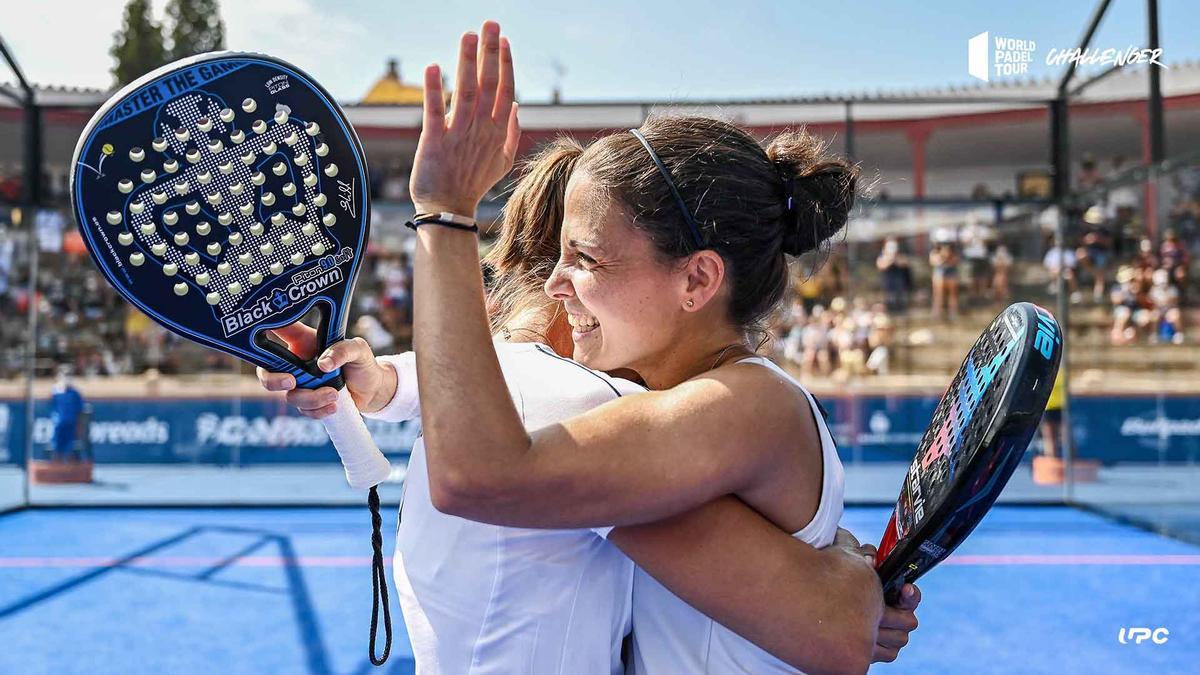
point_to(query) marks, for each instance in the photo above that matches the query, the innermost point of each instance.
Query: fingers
(506, 90)
(354, 351)
(910, 597)
(299, 338)
(888, 645)
(315, 403)
(898, 619)
(434, 121)
(890, 638)
(489, 67)
(869, 551)
(465, 83)
(884, 655)
(275, 381)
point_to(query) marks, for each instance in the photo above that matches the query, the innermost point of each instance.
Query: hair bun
(822, 190)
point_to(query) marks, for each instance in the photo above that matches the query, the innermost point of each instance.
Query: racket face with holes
(980, 430)
(223, 195)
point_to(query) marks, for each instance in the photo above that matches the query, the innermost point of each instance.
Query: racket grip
(365, 465)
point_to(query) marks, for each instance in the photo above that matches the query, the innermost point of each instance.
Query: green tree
(138, 46)
(196, 27)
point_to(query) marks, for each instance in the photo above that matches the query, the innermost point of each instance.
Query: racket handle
(365, 465)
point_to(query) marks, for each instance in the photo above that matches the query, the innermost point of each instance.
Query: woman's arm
(633, 460)
(817, 610)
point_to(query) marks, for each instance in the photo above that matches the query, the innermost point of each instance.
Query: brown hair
(527, 249)
(752, 205)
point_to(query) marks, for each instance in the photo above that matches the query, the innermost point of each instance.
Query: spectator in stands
(1132, 308)
(1059, 259)
(895, 275)
(1096, 251)
(1089, 174)
(1145, 262)
(1174, 257)
(879, 342)
(1164, 300)
(944, 262)
(816, 353)
(1002, 264)
(792, 330)
(976, 237)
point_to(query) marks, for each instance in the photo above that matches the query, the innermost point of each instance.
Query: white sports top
(481, 599)
(670, 637)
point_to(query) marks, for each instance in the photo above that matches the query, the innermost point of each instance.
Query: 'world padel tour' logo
(995, 56)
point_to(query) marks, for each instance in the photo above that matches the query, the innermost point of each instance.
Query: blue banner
(204, 431)
(868, 429)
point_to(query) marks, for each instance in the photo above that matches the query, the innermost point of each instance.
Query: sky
(617, 49)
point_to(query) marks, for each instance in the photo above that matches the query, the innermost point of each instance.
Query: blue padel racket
(225, 195)
(980, 430)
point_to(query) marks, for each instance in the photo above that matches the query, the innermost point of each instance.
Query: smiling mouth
(581, 324)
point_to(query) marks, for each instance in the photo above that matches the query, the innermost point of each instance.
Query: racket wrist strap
(444, 219)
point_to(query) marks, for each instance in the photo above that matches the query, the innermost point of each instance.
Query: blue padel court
(94, 591)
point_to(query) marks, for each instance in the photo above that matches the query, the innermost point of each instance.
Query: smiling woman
(661, 274)
(730, 456)
(754, 205)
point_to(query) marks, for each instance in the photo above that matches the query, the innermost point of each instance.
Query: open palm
(461, 156)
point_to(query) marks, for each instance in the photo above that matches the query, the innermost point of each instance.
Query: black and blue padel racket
(225, 195)
(980, 430)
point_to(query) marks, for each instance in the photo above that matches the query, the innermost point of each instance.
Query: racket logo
(918, 499)
(1138, 635)
(305, 283)
(1047, 337)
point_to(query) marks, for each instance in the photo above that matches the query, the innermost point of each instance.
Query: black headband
(666, 174)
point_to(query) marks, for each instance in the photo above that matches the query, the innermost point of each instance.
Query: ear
(705, 274)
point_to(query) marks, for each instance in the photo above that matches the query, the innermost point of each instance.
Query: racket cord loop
(379, 590)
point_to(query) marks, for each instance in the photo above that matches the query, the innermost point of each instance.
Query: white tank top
(672, 638)
(482, 599)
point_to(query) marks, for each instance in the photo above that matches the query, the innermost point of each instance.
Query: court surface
(287, 590)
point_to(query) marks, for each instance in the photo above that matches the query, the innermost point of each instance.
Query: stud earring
(690, 303)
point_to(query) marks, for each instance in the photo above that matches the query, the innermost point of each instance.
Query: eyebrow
(575, 243)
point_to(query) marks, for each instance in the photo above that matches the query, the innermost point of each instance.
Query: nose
(558, 286)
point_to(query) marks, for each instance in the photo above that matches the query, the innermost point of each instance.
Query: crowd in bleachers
(844, 339)
(1146, 280)
(842, 321)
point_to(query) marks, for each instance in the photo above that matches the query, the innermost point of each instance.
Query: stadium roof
(1126, 84)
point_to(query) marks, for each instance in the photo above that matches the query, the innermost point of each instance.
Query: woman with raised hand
(815, 609)
(695, 554)
(673, 248)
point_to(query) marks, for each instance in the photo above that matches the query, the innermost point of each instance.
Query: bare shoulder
(765, 406)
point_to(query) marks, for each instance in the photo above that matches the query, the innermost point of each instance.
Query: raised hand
(460, 157)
